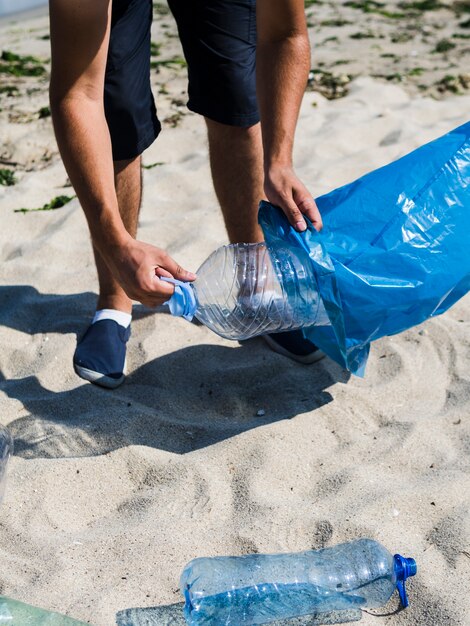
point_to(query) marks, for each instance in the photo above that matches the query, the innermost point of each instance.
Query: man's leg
(133, 125)
(236, 158)
(219, 42)
(101, 353)
(128, 182)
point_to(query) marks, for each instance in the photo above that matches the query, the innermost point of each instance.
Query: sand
(110, 494)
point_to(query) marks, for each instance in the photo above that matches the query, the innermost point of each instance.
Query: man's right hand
(138, 268)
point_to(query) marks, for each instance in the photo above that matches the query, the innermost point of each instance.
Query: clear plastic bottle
(257, 589)
(13, 613)
(244, 290)
(6, 448)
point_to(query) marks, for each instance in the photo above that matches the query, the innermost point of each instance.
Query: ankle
(121, 318)
(113, 301)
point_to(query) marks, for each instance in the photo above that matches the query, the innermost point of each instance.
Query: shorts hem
(242, 120)
(146, 141)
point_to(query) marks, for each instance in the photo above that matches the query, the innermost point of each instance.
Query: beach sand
(110, 494)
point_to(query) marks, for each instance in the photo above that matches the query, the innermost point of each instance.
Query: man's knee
(216, 129)
(121, 165)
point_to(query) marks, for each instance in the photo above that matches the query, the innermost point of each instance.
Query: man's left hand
(285, 190)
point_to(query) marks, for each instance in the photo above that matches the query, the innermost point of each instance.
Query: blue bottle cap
(404, 568)
(183, 302)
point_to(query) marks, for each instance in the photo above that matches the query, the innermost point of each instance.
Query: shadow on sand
(182, 401)
(172, 615)
(29, 311)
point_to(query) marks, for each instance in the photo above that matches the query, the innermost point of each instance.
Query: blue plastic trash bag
(395, 248)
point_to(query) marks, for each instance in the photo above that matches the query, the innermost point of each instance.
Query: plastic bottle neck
(404, 568)
(183, 301)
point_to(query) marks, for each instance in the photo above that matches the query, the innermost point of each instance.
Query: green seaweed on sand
(444, 45)
(331, 86)
(421, 5)
(393, 15)
(370, 6)
(55, 203)
(174, 119)
(7, 178)
(44, 112)
(416, 71)
(396, 77)
(461, 6)
(335, 22)
(9, 57)
(155, 49)
(9, 90)
(453, 84)
(17, 65)
(175, 61)
(160, 8)
(364, 35)
(448, 83)
(401, 37)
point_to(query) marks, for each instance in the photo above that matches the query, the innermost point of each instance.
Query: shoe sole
(97, 378)
(306, 359)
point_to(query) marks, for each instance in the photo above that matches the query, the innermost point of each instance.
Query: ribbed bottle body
(245, 290)
(258, 589)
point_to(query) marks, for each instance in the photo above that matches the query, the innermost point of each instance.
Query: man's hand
(138, 266)
(285, 190)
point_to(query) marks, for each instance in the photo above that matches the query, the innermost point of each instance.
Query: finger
(293, 214)
(176, 271)
(162, 288)
(159, 271)
(310, 209)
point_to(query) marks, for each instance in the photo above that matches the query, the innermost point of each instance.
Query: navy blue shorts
(219, 44)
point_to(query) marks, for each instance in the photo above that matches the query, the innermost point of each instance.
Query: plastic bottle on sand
(13, 613)
(257, 589)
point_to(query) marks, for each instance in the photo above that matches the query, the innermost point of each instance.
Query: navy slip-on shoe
(100, 356)
(294, 345)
